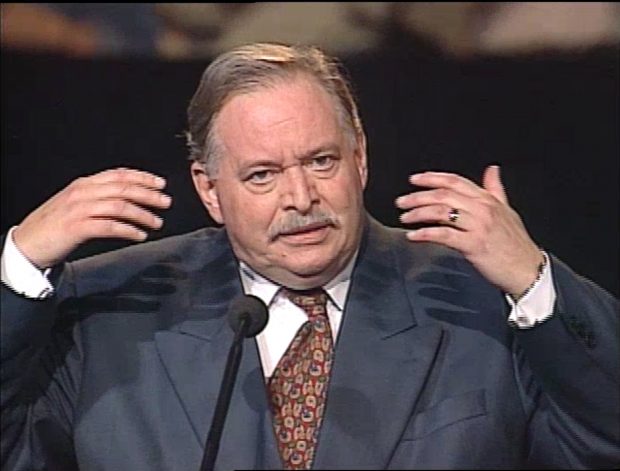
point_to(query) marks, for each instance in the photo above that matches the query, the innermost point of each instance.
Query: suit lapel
(194, 354)
(381, 362)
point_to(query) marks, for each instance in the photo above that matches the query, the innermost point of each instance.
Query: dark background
(550, 121)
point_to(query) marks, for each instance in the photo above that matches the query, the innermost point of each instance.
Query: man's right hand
(109, 204)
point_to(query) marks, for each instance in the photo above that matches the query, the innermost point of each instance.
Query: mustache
(295, 221)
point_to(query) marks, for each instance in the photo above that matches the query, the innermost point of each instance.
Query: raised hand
(478, 222)
(109, 204)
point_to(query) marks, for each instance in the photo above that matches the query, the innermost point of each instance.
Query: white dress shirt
(21, 275)
(285, 318)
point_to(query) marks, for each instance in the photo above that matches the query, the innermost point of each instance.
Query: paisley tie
(298, 385)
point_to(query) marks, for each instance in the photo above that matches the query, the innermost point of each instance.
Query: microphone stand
(223, 399)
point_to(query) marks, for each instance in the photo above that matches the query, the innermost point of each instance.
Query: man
(460, 345)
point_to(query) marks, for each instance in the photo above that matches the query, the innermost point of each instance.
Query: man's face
(289, 184)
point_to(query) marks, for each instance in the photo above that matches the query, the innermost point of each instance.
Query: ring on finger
(453, 215)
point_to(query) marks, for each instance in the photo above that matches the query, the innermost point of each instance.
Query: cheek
(342, 194)
(247, 215)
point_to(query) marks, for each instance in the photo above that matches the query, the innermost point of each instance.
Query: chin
(303, 275)
(309, 260)
(313, 269)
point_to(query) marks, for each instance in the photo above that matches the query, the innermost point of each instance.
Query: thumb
(492, 182)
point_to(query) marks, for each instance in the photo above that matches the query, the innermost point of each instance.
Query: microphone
(247, 316)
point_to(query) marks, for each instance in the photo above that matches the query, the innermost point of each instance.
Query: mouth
(312, 233)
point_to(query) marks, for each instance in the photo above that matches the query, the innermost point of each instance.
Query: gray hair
(247, 68)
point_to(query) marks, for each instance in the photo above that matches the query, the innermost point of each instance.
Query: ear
(361, 160)
(207, 191)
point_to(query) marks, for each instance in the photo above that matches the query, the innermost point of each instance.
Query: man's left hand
(476, 221)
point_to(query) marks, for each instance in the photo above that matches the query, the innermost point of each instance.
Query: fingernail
(414, 177)
(165, 199)
(400, 201)
(159, 181)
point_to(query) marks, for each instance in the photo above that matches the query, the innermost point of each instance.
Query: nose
(299, 192)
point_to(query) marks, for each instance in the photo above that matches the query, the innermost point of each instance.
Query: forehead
(291, 113)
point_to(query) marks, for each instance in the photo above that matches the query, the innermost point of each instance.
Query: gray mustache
(294, 221)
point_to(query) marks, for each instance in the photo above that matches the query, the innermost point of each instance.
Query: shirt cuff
(19, 274)
(537, 305)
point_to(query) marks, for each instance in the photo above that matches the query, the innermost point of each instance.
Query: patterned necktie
(298, 385)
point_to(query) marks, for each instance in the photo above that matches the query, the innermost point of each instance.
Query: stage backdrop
(551, 122)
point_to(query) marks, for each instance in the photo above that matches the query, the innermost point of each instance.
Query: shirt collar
(266, 290)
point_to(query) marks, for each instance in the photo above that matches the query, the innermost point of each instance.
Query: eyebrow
(334, 148)
(320, 150)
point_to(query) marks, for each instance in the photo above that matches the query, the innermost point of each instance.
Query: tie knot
(313, 301)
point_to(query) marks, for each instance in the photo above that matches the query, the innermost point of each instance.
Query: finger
(109, 229)
(491, 181)
(450, 181)
(87, 191)
(125, 211)
(443, 235)
(440, 214)
(128, 175)
(441, 196)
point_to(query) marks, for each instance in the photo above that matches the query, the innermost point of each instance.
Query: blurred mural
(195, 30)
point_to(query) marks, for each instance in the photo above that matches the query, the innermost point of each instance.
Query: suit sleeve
(39, 383)
(572, 360)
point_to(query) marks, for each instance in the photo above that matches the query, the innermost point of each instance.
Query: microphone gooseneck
(247, 316)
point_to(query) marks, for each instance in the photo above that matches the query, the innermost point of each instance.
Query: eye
(261, 177)
(321, 163)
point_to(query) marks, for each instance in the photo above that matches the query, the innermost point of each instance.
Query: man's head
(280, 159)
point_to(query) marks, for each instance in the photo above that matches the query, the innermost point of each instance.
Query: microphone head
(247, 305)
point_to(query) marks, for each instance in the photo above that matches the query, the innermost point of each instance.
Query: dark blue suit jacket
(121, 369)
